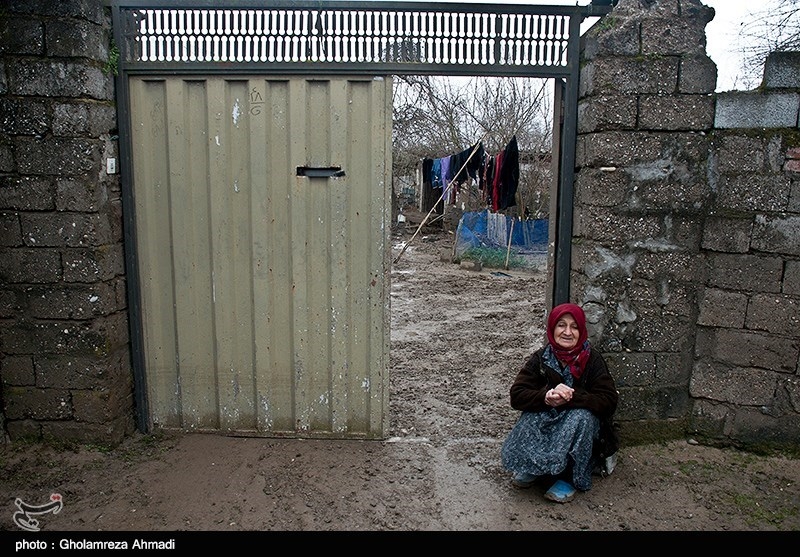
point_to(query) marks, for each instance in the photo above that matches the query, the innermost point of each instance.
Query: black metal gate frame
(172, 37)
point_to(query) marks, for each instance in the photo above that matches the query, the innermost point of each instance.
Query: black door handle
(320, 171)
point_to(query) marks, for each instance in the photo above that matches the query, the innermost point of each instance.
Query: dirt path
(458, 337)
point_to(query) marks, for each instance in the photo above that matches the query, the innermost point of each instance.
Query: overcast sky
(723, 41)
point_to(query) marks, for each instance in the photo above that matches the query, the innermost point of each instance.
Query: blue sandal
(560, 492)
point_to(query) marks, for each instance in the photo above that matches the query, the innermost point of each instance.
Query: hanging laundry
(499, 177)
(497, 185)
(487, 177)
(509, 175)
(436, 174)
(446, 174)
(467, 163)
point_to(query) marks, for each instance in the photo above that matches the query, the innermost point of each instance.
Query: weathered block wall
(65, 362)
(745, 381)
(687, 234)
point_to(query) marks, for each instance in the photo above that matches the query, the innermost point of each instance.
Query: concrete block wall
(687, 237)
(65, 357)
(745, 379)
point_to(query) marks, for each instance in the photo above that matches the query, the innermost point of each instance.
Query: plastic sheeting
(482, 232)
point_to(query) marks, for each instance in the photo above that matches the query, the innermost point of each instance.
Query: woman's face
(566, 332)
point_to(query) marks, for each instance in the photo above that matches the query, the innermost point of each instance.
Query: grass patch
(757, 514)
(144, 446)
(694, 468)
(493, 257)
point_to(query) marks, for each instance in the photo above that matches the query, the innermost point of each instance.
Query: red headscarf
(577, 356)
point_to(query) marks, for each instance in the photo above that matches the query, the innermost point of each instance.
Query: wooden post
(508, 249)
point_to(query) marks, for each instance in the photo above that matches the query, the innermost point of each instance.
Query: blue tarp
(485, 229)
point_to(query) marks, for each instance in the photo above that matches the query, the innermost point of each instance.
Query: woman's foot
(560, 492)
(523, 480)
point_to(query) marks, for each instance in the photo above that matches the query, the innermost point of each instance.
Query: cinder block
(782, 70)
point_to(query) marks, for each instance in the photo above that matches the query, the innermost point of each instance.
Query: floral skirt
(545, 443)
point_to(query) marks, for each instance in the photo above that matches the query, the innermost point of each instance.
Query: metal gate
(257, 278)
(262, 206)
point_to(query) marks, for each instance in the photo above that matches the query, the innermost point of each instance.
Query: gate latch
(320, 171)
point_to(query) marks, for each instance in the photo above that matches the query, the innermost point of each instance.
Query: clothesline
(497, 176)
(421, 224)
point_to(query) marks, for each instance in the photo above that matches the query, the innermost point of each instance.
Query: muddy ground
(458, 337)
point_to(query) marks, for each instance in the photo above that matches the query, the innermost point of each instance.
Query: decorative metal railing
(393, 36)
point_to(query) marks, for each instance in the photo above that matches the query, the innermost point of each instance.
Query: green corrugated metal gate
(262, 215)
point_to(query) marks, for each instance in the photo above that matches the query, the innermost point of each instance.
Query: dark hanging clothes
(441, 174)
(487, 177)
(470, 165)
(509, 175)
(427, 169)
(429, 195)
(499, 177)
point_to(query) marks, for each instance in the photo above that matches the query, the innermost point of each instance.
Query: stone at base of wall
(19, 430)
(4, 438)
(748, 430)
(108, 434)
(643, 432)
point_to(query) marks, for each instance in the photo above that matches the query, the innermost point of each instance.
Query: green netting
(484, 236)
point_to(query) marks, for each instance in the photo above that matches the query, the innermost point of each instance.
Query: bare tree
(436, 116)
(521, 108)
(771, 28)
